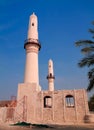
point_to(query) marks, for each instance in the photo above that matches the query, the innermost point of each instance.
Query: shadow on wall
(89, 118)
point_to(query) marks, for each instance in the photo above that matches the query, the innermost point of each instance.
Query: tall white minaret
(32, 47)
(50, 76)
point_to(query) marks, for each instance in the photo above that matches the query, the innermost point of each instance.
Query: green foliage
(22, 124)
(25, 124)
(91, 103)
(87, 48)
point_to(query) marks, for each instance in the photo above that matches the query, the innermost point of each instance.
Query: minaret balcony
(50, 77)
(34, 42)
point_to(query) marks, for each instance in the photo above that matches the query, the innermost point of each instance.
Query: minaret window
(32, 24)
(50, 74)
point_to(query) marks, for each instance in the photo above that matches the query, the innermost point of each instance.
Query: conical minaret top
(33, 27)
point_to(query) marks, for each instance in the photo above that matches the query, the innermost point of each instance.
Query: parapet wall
(62, 106)
(48, 107)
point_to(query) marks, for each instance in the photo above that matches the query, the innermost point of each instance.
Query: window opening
(47, 102)
(50, 74)
(32, 24)
(70, 101)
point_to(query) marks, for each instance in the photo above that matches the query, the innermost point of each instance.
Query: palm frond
(91, 79)
(87, 61)
(91, 30)
(91, 85)
(87, 49)
(93, 22)
(84, 42)
(91, 73)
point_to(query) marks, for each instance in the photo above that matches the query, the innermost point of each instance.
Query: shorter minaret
(50, 76)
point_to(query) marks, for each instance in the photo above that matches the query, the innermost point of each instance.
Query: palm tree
(91, 103)
(88, 59)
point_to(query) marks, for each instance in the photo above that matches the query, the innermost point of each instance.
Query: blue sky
(61, 23)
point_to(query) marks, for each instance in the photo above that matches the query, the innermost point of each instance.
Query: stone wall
(7, 114)
(48, 107)
(59, 111)
(26, 102)
(53, 107)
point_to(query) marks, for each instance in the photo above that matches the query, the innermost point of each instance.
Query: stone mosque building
(35, 105)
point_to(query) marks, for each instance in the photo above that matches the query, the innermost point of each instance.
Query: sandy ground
(64, 127)
(9, 127)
